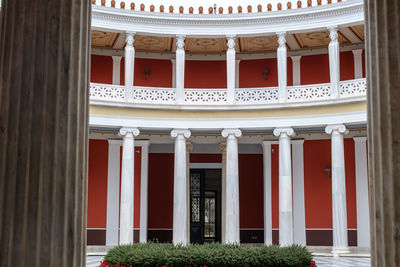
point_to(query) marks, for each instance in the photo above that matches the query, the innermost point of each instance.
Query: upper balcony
(245, 98)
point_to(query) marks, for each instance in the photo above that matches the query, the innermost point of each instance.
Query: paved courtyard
(93, 261)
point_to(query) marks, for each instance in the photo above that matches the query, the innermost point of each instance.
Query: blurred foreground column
(44, 63)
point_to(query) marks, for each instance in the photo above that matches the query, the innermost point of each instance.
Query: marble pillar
(144, 182)
(267, 171)
(179, 235)
(282, 67)
(180, 69)
(230, 69)
(222, 148)
(358, 63)
(232, 225)
(383, 94)
(285, 186)
(127, 185)
(296, 70)
(129, 64)
(44, 85)
(116, 70)
(339, 210)
(334, 63)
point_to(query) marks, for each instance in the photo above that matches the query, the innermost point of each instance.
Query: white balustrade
(351, 88)
(256, 95)
(205, 96)
(243, 96)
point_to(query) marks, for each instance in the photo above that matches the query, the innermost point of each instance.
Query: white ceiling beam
(292, 42)
(350, 35)
(120, 42)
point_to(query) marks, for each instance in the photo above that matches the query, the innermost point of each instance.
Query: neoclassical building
(233, 125)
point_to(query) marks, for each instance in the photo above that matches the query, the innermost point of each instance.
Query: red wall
(250, 73)
(251, 193)
(97, 184)
(205, 74)
(160, 194)
(346, 66)
(318, 187)
(101, 69)
(314, 69)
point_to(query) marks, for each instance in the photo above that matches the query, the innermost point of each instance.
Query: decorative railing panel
(306, 93)
(107, 92)
(153, 95)
(351, 88)
(256, 95)
(205, 96)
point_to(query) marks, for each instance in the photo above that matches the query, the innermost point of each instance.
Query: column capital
(333, 33)
(230, 41)
(357, 52)
(173, 60)
(124, 131)
(180, 41)
(336, 128)
(268, 143)
(360, 139)
(285, 131)
(295, 58)
(297, 142)
(130, 38)
(116, 58)
(281, 38)
(180, 132)
(231, 132)
(115, 142)
(142, 143)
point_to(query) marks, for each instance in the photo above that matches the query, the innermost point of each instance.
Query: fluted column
(334, 63)
(267, 192)
(282, 67)
(383, 57)
(230, 68)
(339, 214)
(127, 185)
(44, 80)
(116, 70)
(180, 187)
(358, 71)
(222, 148)
(232, 227)
(129, 64)
(180, 69)
(144, 182)
(285, 186)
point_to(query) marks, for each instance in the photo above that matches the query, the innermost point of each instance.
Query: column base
(336, 252)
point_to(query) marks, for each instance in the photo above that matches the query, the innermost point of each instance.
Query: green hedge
(210, 255)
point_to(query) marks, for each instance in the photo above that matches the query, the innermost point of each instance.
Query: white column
(334, 63)
(296, 70)
(232, 227)
(189, 147)
(180, 180)
(113, 174)
(299, 213)
(116, 70)
(129, 64)
(127, 184)
(267, 192)
(363, 233)
(358, 72)
(222, 148)
(339, 214)
(180, 69)
(282, 66)
(144, 181)
(237, 68)
(173, 61)
(285, 186)
(230, 68)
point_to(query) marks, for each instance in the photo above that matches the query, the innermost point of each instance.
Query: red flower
(312, 263)
(105, 264)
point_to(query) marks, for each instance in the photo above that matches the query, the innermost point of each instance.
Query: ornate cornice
(316, 18)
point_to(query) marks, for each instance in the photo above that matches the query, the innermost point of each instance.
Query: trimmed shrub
(210, 255)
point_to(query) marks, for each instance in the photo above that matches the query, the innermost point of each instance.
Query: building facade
(235, 127)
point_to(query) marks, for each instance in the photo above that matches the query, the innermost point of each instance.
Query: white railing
(243, 96)
(205, 96)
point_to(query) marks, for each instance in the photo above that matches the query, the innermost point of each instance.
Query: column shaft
(180, 69)
(180, 187)
(285, 186)
(173, 61)
(222, 148)
(334, 63)
(113, 175)
(299, 213)
(363, 230)
(282, 67)
(339, 213)
(267, 193)
(44, 81)
(127, 185)
(237, 68)
(144, 190)
(358, 71)
(116, 70)
(232, 227)
(296, 70)
(129, 65)
(230, 69)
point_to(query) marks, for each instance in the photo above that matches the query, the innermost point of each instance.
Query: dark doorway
(205, 205)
